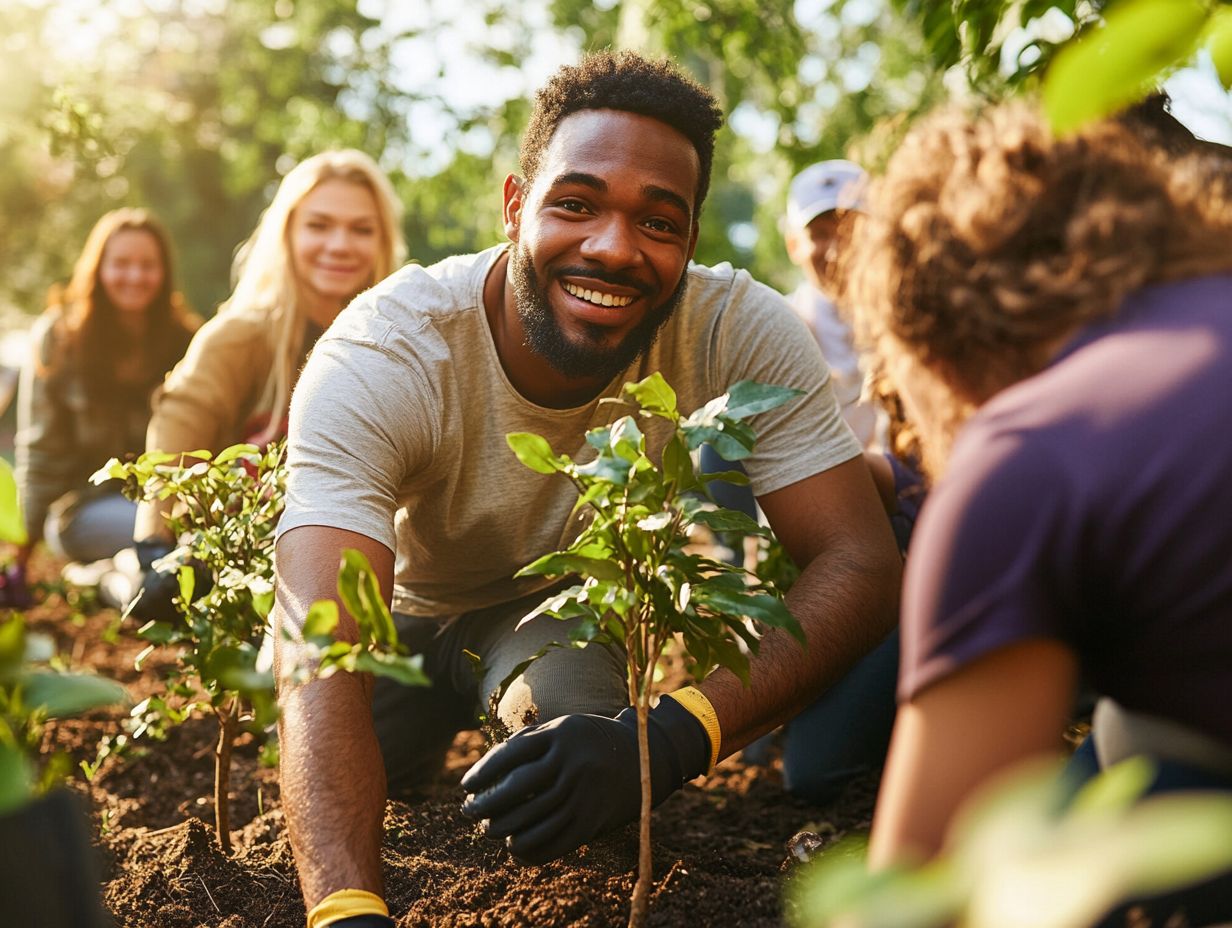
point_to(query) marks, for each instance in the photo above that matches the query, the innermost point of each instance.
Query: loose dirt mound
(718, 857)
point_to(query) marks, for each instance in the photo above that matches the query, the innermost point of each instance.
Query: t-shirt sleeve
(360, 423)
(985, 566)
(760, 338)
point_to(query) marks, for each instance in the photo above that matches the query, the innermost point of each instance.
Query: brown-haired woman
(1057, 316)
(102, 346)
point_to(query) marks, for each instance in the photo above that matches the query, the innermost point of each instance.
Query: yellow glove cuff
(695, 702)
(343, 904)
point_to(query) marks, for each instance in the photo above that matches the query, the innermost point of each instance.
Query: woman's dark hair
(627, 82)
(91, 339)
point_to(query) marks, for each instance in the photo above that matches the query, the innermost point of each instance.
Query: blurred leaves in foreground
(1026, 855)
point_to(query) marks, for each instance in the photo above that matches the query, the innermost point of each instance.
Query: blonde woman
(102, 346)
(332, 230)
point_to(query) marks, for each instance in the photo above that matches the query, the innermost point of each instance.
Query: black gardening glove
(553, 787)
(14, 591)
(153, 600)
(363, 921)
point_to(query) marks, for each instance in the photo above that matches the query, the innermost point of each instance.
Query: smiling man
(397, 449)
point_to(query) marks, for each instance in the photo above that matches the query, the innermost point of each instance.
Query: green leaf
(1219, 43)
(227, 455)
(728, 520)
(159, 632)
(234, 667)
(609, 468)
(401, 669)
(188, 583)
(358, 590)
(655, 396)
(747, 398)
(16, 779)
(12, 525)
(534, 451)
(560, 564)
(64, 695)
(1110, 67)
(736, 478)
(678, 463)
(1116, 788)
(321, 620)
(760, 607)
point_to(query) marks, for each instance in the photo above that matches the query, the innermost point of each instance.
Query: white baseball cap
(822, 187)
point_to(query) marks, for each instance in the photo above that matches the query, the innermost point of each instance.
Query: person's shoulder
(724, 288)
(233, 327)
(415, 297)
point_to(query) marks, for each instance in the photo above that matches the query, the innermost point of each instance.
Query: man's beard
(591, 358)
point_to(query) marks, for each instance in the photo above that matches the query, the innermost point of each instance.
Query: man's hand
(552, 787)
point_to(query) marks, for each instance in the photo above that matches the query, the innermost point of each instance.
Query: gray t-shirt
(399, 420)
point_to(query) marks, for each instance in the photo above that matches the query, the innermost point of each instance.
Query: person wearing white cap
(816, 200)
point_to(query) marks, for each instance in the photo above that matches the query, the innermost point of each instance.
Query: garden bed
(719, 848)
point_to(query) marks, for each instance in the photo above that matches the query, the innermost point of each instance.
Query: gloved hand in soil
(158, 588)
(363, 921)
(14, 591)
(552, 787)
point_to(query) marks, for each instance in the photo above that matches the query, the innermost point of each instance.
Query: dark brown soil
(719, 846)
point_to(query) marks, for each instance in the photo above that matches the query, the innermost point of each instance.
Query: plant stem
(640, 906)
(222, 775)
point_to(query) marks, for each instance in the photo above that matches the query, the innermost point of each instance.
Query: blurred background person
(102, 346)
(332, 230)
(818, 199)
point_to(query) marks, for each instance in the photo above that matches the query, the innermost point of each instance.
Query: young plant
(32, 690)
(227, 508)
(641, 587)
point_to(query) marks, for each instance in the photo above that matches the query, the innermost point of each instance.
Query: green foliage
(640, 583)
(227, 507)
(378, 650)
(1027, 840)
(1120, 62)
(226, 510)
(1095, 57)
(31, 692)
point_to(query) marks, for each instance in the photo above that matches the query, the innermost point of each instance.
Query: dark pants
(1207, 903)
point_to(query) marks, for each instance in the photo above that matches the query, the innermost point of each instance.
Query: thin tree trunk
(645, 874)
(222, 776)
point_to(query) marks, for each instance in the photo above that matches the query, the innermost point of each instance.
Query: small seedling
(227, 508)
(640, 587)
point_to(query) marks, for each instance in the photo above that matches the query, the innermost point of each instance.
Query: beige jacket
(208, 402)
(63, 433)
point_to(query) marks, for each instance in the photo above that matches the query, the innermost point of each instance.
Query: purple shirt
(1092, 504)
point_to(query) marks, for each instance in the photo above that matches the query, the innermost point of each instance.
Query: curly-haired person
(1057, 316)
(397, 448)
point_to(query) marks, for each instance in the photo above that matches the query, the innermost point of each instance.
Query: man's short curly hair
(627, 82)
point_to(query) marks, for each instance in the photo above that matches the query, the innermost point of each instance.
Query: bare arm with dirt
(333, 780)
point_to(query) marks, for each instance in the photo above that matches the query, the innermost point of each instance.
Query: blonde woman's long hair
(265, 280)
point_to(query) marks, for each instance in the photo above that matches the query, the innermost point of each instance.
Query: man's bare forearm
(847, 604)
(332, 774)
(333, 787)
(846, 600)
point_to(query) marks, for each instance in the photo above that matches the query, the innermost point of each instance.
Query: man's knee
(565, 681)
